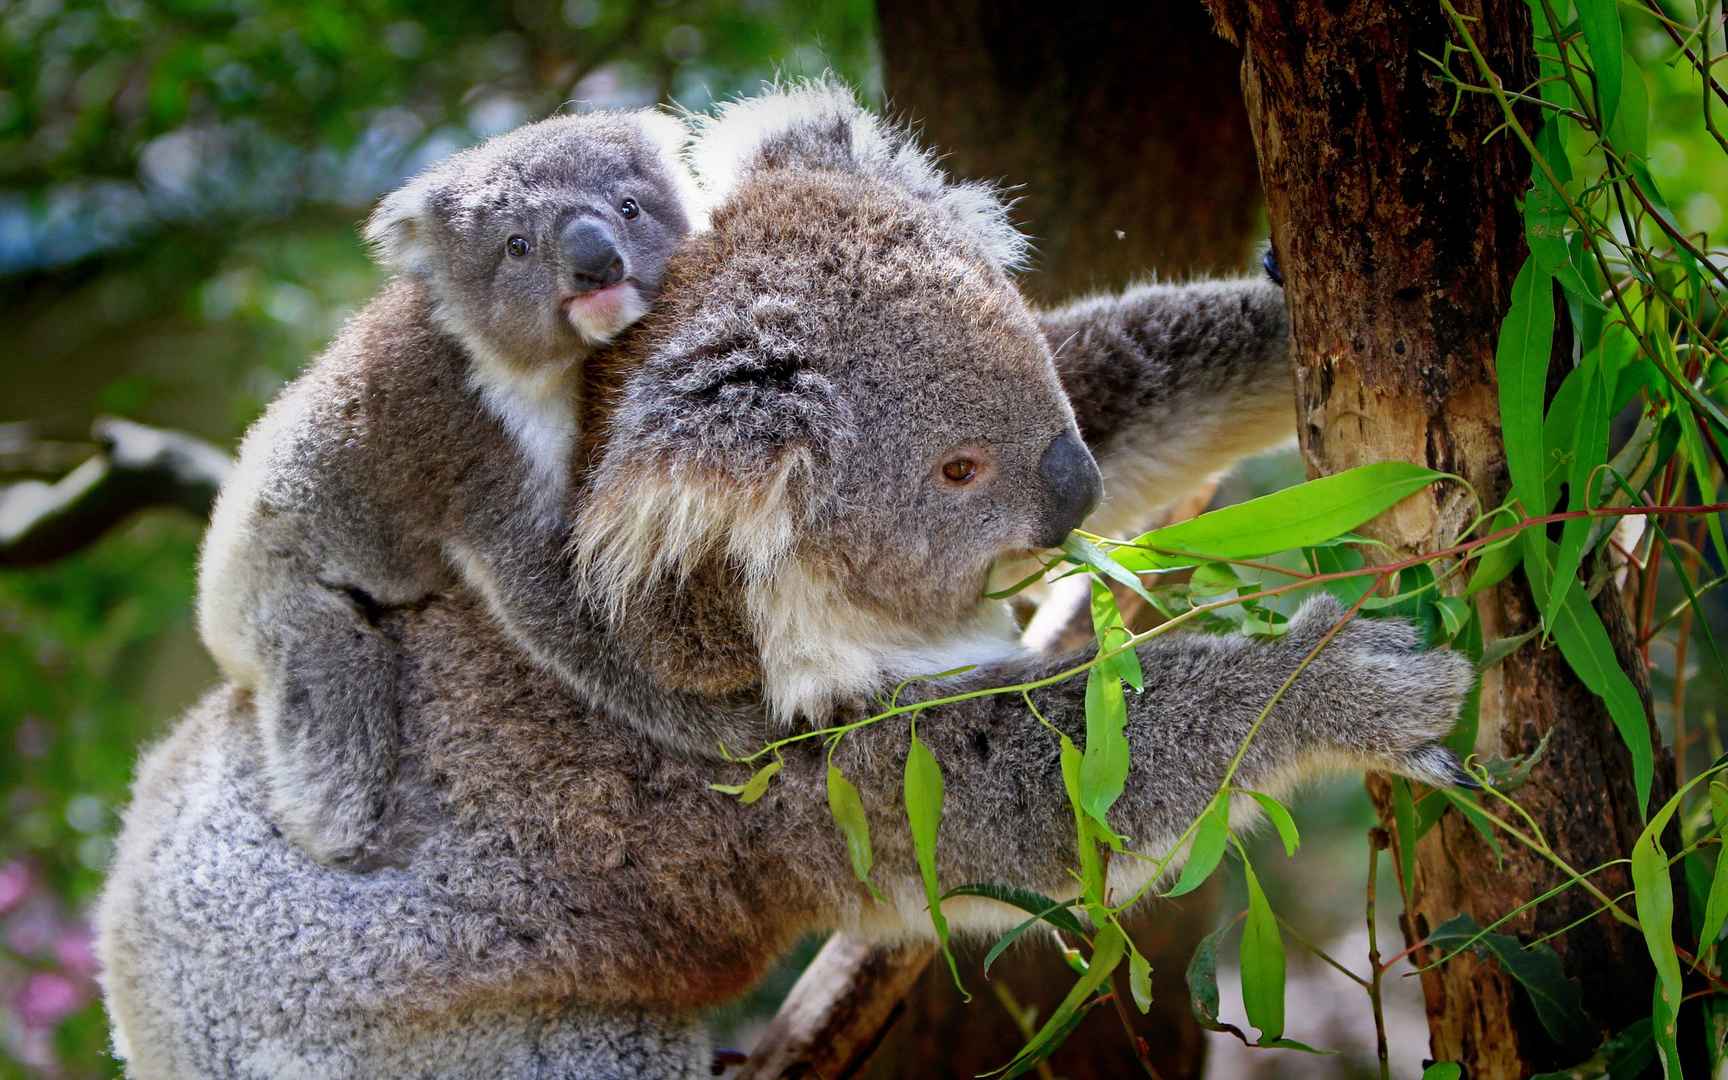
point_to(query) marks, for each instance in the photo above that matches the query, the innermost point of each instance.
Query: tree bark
(1396, 221)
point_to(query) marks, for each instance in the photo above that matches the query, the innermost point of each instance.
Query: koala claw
(1438, 766)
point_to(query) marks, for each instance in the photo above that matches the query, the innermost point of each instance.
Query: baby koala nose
(591, 255)
(1075, 486)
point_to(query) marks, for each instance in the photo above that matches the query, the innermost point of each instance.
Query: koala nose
(1075, 487)
(591, 254)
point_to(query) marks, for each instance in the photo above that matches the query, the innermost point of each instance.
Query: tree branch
(137, 468)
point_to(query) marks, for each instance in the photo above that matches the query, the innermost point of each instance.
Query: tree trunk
(1123, 123)
(1396, 221)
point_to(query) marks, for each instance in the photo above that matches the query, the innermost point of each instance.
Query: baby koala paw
(1383, 701)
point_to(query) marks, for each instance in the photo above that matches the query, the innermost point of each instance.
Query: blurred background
(180, 184)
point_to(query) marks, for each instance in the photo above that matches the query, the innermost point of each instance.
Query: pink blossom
(14, 885)
(47, 998)
(76, 952)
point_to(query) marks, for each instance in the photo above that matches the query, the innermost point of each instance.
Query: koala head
(547, 241)
(845, 399)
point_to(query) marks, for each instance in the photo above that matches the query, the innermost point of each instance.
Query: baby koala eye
(517, 246)
(960, 471)
(629, 209)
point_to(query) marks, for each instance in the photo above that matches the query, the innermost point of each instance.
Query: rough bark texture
(1399, 234)
(1122, 125)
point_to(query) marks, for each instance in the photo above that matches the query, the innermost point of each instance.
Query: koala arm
(1371, 699)
(1173, 383)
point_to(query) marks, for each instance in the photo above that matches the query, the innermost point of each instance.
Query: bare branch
(137, 468)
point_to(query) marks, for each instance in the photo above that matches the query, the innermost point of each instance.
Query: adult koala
(838, 415)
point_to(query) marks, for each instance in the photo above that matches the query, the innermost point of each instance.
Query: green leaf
(847, 809)
(752, 789)
(1003, 942)
(1300, 516)
(1589, 449)
(1107, 951)
(1207, 846)
(1455, 614)
(1715, 909)
(1404, 823)
(1521, 363)
(1558, 1000)
(1601, 23)
(1500, 648)
(1583, 641)
(924, 816)
(1262, 960)
(1104, 769)
(1546, 217)
(1202, 976)
(1281, 820)
(1443, 1070)
(1630, 131)
(1654, 896)
(1493, 565)
(1091, 868)
(1139, 979)
(1108, 628)
(1465, 802)
(1089, 554)
(1332, 560)
(1054, 912)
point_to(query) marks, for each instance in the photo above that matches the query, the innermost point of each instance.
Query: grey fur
(573, 867)
(447, 410)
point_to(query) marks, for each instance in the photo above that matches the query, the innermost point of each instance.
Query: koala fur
(445, 412)
(774, 440)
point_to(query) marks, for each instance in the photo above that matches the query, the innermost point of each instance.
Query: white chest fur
(538, 411)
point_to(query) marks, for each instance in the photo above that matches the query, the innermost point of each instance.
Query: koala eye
(517, 246)
(960, 471)
(629, 209)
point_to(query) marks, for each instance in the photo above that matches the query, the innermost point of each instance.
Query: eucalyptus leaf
(1054, 912)
(1601, 23)
(1104, 767)
(1262, 960)
(1558, 1000)
(1300, 516)
(754, 788)
(1281, 820)
(1584, 642)
(924, 815)
(1521, 364)
(847, 809)
(1139, 979)
(1207, 847)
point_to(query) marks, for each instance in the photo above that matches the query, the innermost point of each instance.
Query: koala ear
(712, 448)
(397, 231)
(820, 125)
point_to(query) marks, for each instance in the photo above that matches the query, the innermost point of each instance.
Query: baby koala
(431, 445)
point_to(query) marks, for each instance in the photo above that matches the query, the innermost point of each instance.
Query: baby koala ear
(820, 125)
(398, 231)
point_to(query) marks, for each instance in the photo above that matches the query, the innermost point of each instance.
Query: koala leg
(328, 719)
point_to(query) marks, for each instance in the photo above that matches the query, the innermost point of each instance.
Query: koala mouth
(600, 315)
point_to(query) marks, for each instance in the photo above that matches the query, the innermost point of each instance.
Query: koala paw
(1384, 701)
